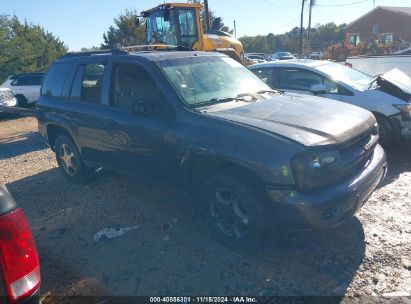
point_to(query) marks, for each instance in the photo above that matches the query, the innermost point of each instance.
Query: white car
(26, 87)
(7, 98)
(387, 96)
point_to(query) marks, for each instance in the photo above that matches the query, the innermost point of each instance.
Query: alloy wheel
(68, 159)
(229, 213)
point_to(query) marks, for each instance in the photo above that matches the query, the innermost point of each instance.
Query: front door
(140, 123)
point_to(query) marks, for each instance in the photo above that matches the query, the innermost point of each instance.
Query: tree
(321, 36)
(25, 47)
(124, 32)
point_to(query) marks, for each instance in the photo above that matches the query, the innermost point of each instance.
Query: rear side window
(296, 79)
(55, 79)
(87, 83)
(28, 81)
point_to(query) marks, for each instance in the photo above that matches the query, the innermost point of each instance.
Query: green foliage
(25, 47)
(321, 37)
(124, 32)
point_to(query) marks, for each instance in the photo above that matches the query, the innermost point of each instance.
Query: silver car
(387, 96)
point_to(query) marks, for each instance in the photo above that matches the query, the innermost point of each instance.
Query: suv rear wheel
(234, 212)
(70, 162)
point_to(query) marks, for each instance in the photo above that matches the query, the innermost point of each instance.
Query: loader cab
(353, 39)
(385, 40)
(173, 25)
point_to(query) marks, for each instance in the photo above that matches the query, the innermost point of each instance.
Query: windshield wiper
(227, 99)
(269, 91)
(218, 100)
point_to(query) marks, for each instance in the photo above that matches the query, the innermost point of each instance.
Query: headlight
(310, 168)
(404, 108)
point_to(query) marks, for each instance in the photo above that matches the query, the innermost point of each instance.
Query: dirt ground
(137, 236)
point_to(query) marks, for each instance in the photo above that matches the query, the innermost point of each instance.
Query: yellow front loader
(179, 24)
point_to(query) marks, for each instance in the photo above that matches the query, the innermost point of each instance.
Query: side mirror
(318, 89)
(144, 107)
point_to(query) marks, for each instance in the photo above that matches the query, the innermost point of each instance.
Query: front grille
(357, 153)
(6, 95)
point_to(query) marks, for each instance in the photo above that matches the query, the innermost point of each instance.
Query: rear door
(86, 99)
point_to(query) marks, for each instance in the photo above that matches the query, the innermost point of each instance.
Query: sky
(81, 23)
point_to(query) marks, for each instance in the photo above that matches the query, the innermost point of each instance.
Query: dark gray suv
(252, 158)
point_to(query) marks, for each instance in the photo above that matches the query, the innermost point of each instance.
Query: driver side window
(131, 83)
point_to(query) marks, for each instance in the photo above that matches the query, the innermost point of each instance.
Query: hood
(398, 79)
(311, 121)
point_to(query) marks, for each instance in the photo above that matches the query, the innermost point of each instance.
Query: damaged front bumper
(330, 207)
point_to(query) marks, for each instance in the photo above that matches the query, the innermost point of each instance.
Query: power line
(288, 23)
(342, 4)
(276, 5)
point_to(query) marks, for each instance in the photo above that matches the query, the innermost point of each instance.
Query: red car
(19, 263)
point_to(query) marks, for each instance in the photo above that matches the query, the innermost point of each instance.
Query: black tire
(386, 131)
(70, 162)
(234, 212)
(21, 101)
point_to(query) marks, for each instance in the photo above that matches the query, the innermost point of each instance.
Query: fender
(60, 121)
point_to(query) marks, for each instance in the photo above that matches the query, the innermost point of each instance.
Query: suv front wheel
(234, 212)
(70, 162)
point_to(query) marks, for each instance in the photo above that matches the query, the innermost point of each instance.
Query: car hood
(399, 79)
(311, 121)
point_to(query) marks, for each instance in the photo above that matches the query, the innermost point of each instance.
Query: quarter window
(269, 76)
(55, 79)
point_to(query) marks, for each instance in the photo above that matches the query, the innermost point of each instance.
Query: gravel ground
(137, 236)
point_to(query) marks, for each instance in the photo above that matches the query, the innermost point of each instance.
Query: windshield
(354, 78)
(285, 54)
(202, 79)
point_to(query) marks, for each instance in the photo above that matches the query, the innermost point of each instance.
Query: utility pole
(207, 15)
(235, 30)
(300, 50)
(312, 2)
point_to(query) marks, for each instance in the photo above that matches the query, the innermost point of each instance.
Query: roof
(396, 9)
(171, 5)
(291, 63)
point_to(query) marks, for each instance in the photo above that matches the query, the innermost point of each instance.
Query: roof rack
(90, 53)
(157, 47)
(128, 49)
